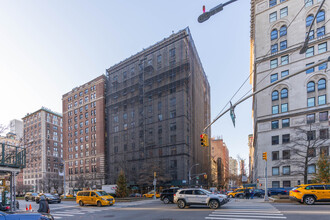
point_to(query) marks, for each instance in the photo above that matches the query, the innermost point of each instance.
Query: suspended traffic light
(204, 140)
(203, 8)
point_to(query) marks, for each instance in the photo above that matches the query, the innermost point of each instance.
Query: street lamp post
(206, 15)
(190, 171)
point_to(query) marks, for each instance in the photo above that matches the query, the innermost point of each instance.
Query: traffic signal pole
(266, 191)
(266, 87)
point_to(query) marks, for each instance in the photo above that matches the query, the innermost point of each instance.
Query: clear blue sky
(49, 47)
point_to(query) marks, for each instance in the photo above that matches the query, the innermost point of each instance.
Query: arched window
(284, 93)
(320, 16)
(321, 84)
(309, 20)
(283, 30)
(311, 87)
(274, 34)
(274, 95)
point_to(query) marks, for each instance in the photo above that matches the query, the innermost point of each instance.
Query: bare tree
(304, 148)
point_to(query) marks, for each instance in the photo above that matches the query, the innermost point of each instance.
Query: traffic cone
(30, 208)
(26, 208)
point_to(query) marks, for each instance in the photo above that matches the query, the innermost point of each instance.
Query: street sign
(184, 181)
(244, 179)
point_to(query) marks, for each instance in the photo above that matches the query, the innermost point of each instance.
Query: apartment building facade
(220, 153)
(44, 150)
(158, 102)
(290, 117)
(84, 135)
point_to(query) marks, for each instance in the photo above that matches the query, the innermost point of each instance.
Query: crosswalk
(246, 211)
(75, 212)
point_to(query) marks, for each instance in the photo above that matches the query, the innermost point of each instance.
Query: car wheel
(181, 204)
(81, 203)
(309, 200)
(166, 200)
(59, 201)
(240, 196)
(99, 204)
(26, 199)
(214, 204)
(37, 201)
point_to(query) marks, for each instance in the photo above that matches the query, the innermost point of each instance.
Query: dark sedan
(49, 197)
(25, 216)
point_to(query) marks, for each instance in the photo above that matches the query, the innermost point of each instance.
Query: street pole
(64, 180)
(189, 174)
(266, 191)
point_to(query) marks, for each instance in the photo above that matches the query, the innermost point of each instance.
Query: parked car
(151, 194)
(25, 216)
(259, 193)
(187, 197)
(167, 195)
(135, 195)
(4, 208)
(237, 193)
(94, 197)
(311, 193)
(30, 196)
(49, 197)
(278, 191)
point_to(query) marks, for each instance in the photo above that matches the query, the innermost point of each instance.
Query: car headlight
(104, 199)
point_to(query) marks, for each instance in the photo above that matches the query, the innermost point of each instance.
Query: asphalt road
(236, 209)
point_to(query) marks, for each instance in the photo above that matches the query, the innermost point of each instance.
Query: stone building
(157, 104)
(84, 135)
(44, 150)
(290, 117)
(220, 153)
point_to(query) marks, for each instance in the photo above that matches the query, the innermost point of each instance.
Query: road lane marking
(231, 218)
(62, 215)
(249, 213)
(249, 216)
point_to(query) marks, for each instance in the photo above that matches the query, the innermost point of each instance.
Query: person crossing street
(43, 205)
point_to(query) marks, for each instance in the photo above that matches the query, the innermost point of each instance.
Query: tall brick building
(84, 135)
(220, 153)
(158, 102)
(44, 150)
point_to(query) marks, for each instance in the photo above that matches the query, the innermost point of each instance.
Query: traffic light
(205, 176)
(204, 140)
(257, 180)
(264, 156)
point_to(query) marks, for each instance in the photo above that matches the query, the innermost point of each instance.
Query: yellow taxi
(238, 193)
(311, 193)
(151, 194)
(94, 197)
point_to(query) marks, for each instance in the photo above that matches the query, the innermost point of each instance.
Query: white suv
(187, 197)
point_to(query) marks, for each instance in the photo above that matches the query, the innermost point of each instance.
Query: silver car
(193, 196)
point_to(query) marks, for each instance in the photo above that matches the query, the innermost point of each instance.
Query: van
(94, 197)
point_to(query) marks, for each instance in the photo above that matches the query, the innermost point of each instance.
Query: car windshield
(206, 191)
(101, 193)
(34, 194)
(47, 194)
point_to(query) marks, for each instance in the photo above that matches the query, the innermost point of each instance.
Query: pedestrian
(251, 193)
(43, 205)
(247, 193)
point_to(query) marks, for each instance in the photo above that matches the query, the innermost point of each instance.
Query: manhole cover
(109, 216)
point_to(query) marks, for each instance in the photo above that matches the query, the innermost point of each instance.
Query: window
(275, 109)
(324, 134)
(308, 3)
(284, 12)
(173, 126)
(286, 183)
(286, 154)
(283, 31)
(309, 20)
(275, 124)
(273, 63)
(273, 34)
(284, 93)
(286, 170)
(322, 47)
(275, 184)
(311, 102)
(311, 169)
(283, 45)
(172, 52)
(324, 150)
(311, 135)
(320, 16)
(322, 99)
(310, 70)
(320, 31)
(285, 138)
(273, 78)
(323, 66)
(310, 118)
(311, 152)
(310, 52)
(311, 35)
(274, 95)
(323, 116)
(275, 171)
(272, 3)
(311, 86)
(284, 107)
(284, 73)
(275, 155)
(284, 59)
(274, 48)
(275, 140)
(285, 122)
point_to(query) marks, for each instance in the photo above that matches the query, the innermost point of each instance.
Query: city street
(155, 209)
